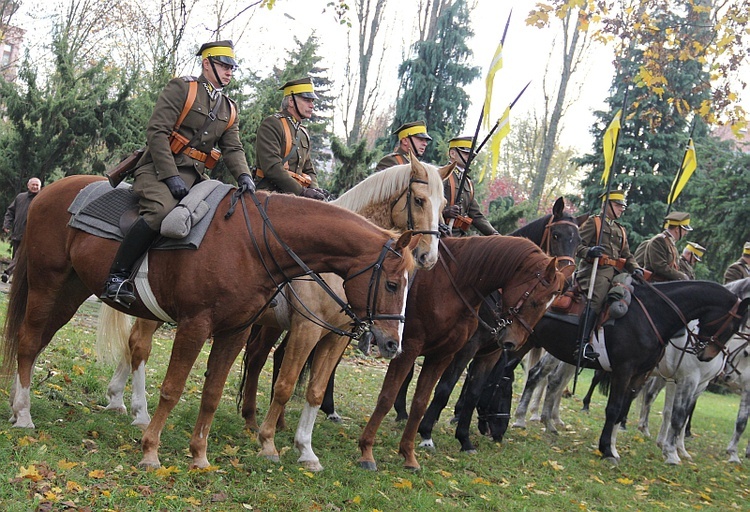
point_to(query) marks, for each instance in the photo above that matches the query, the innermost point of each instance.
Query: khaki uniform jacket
(398, 157)
(159, 163)
(661, 258)
(686, 268)
(737, 270)
(615, 246)
(270, 147)
(468, 204)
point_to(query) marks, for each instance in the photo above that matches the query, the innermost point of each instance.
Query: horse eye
(556, 236)
(419, 201)
(391, 286)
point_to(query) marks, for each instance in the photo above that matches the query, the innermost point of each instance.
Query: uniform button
(205, 133)
(199, 109)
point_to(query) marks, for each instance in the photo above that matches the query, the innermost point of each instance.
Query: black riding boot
(138, 239)
(585, 330)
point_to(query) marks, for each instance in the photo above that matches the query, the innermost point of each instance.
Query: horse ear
(405, 240)
(581, 219)
(558, 208)
(446, 170)
(417, 169)
(551, 270)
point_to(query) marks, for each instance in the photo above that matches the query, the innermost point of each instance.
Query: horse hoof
(312, 465)
(413, 469)
(470, 451)
(519, 425)
(118, 409)
(199, 463)
(428, 444)
(272, 458)
(400, 418)
(734, 459)
(334, 417)
(149, 463)
(612, 460)
(23, 423)
(368, 465)
(453, 420)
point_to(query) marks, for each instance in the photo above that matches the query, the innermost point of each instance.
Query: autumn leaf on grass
(72, 486)
(230, 450)
(165, 472)
(78, 370)
(403, 484)
(207, 469)
(480, 480)
(597, 479)
(555, 465)
(31, 473)
(193, 501)
(445, 474)
(704, 497)
(65, 465)
(97, 473)
(27, 441)
(624, 481)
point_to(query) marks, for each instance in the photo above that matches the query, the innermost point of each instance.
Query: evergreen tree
(433, 81)
(655, 130)
(353, 164)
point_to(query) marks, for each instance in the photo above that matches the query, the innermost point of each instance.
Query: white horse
(737, 376)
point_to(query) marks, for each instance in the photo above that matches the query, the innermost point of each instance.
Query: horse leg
(224, 352)
(683, 397)
(46, 313)
(301, 340)
(442, 394)
(537, 374)
(278, 358)
(394, 377)
(556, 383)
(190, 337)
(653, 387)
(400, 404)
(328, 406)
(739, 427)
(140, 342)
(536, 400)
(431, 371)
(613, 414)
(259, 345)
(116, 388)
(479, 375)
(328, 353)
(666, 416)
(595, 380)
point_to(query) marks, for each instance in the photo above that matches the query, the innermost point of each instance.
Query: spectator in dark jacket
(15, 221)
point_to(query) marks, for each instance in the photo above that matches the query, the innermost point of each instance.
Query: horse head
(382, 287)
(419, 206)
(561, 237)
(717, 327)
(528, 299)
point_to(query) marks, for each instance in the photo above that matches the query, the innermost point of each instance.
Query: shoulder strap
(452, 184)
(192, 91)
(401, 159)
(288, 137)
(598, 224)
(232, 114)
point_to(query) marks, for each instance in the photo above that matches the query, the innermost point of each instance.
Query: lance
(592, 281)
(497, 124)
(671, 197)
(465, 174)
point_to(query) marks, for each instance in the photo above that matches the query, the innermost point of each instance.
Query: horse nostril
(392, 346)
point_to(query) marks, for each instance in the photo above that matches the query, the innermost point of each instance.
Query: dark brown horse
(442, 312)
(232, 276)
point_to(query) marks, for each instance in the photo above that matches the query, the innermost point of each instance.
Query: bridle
(409, 206)
(359, 325)
(569, 262)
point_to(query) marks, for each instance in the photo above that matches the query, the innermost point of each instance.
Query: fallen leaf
(480, 480)
(624, 481)
(97, 473)
(65, 465)
(403, 484)
(166, 471)
(72, 486)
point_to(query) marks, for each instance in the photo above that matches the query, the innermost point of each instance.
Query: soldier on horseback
(659, 253)
(412, 139)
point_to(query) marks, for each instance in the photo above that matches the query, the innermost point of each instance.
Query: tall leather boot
(585, 336)
(138, 239)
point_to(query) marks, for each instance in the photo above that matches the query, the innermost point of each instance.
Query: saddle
(570, 305)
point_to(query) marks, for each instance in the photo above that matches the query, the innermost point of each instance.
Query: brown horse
(403, 197)
(233, 275)
(442, 312)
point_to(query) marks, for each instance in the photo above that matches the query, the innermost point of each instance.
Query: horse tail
(112, 335)
(19, 294)
(299, 388)
(605, 380)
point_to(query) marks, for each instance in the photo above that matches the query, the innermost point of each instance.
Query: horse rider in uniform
(740, 269)
(613, 253)
(691, 254)
(178, 152)
(459, 149)
(660, 254)
(282, 146)
(412, 138)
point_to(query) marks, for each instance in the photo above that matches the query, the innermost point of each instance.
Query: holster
(462, 222)
(303, 179)
(124, 168)
(179, 144)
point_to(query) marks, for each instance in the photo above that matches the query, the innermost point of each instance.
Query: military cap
(415, 129)
(681, 219)
(697, 249)
(746, 249)
(223, 51)
(301, 87)
(462, 144)
(616, 196)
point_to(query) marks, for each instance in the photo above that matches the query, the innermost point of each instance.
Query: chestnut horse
(403, 197)
(215, 291)
(442, 312)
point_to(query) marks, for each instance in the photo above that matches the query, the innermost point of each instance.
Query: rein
(409, 214)
(360, 326)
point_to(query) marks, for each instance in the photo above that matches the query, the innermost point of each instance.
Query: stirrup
(589, 352)
(119, 290)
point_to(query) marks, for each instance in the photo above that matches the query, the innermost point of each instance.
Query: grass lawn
(81, 457)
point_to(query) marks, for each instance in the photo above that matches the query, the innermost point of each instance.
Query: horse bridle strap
(409, 214)
(545, 243)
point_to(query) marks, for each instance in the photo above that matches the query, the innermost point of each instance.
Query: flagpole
(592, 281)
(670, 197)
(479, 148)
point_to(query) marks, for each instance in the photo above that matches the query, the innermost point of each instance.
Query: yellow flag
(689, 164)
(608, 145)
(497, 63)
(503, 129)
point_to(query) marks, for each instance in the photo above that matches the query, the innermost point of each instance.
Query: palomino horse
(404, 197)
(636, 342)
(233, 275)
(442, 312)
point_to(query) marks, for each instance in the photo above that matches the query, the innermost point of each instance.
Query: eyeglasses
(225, 67)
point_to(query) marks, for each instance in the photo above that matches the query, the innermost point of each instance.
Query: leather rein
(359, 325)
(569, 262)
(408, 206)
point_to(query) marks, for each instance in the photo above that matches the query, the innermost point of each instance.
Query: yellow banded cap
(616, 196)
(462, 144)
(415, 129)
(223, 51)
(746, 249)
(697, 249)
(301, 87)
(681, 219)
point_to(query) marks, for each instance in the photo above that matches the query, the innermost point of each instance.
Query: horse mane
(386, 184)
(533, 230)
(499, 256)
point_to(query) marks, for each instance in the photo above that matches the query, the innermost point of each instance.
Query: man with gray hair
(15, 221)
